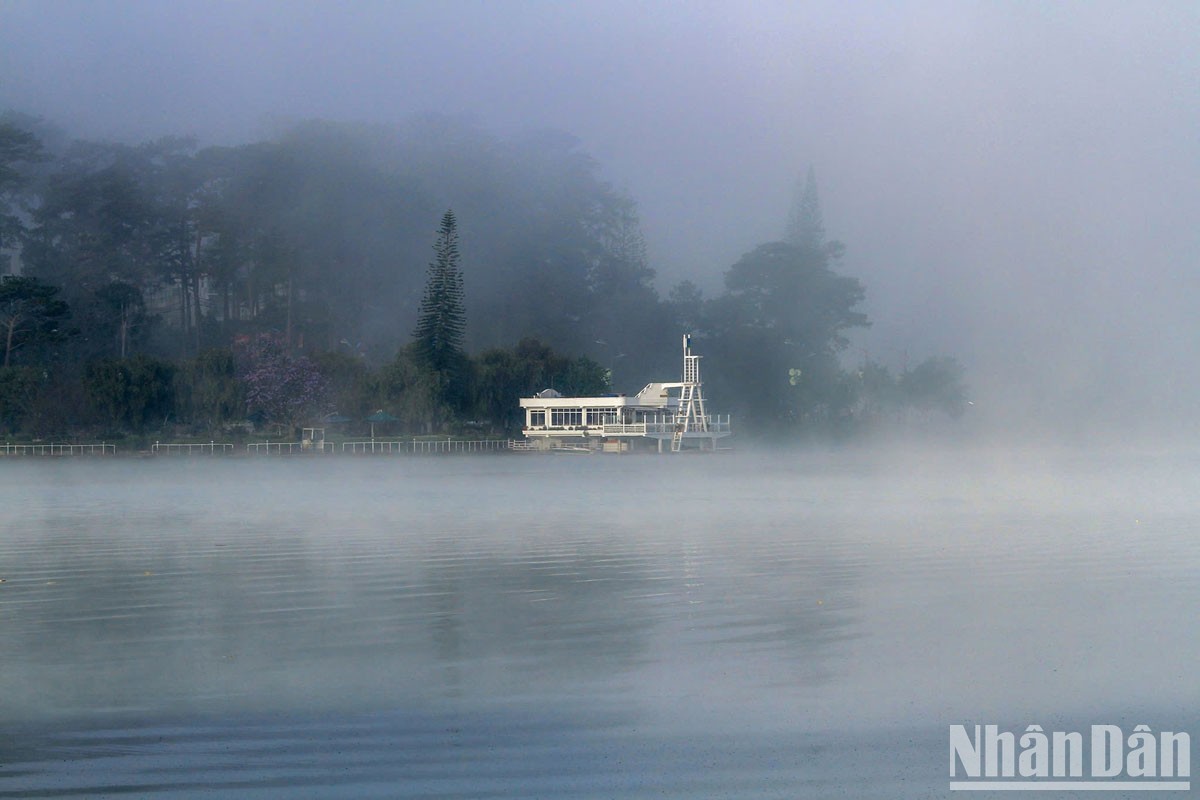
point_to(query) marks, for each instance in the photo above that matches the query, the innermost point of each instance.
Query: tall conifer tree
(442, 319)
(805, 226)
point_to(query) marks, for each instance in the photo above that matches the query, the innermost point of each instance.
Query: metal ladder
(688, 397)
(691, 399)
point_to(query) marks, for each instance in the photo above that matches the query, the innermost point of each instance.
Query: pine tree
(442, 319)
(805, 226)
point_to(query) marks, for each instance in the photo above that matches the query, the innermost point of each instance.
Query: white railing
(368, 448)
(190, 449)
(633, 428)
(58, 449)
(574, 446)
(288, 448)
(465, 446)
(426, 447)
(665, 426)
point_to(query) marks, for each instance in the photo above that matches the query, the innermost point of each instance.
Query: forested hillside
(171, 288)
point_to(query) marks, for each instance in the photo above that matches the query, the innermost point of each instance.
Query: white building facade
(662, 417)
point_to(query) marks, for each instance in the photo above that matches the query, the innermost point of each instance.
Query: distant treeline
(169, 288)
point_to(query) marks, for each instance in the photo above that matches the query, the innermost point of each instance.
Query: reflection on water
(577, 627)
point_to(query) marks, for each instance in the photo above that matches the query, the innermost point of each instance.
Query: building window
(566, 417)
(601, 416)
(537, 419)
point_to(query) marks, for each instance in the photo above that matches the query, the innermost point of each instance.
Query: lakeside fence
(410, 447)
(288, 448)
(195, 449)
(58, 449)
(426, 447)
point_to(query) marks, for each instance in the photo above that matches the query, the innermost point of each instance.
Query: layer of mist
(578, 626)
(1016, 185)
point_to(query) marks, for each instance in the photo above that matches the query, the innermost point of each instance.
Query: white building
(662, 416)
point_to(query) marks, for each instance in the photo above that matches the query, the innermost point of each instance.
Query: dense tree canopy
(285, 279)
(777, 332)
(134, 393)
(19, 148)
(30, 314)
(320, 232)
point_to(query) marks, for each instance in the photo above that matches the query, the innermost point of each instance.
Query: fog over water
(1016, 183)
(1017, 186)
(581, 627)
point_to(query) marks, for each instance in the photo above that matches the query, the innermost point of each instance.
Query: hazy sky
(1017, 184)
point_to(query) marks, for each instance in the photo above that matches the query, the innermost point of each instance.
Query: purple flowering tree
(280, 388)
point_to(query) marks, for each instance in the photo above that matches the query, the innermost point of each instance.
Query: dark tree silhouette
(18, 148)
(442, 321)
(29, 313)
(437, 348)
(805, 227)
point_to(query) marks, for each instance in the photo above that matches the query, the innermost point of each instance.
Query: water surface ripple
(580, 627)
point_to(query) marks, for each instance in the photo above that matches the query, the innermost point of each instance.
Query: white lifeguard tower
(671, 416)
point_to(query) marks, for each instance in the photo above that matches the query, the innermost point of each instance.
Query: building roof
(653, 396)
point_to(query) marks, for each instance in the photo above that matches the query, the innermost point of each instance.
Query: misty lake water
(580, 626)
